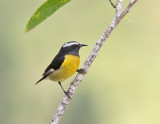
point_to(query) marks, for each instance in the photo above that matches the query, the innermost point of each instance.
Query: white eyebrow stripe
(70, 44)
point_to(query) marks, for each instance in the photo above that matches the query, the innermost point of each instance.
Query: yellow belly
(67, 69)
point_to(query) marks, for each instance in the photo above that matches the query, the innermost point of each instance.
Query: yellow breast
(68, 68)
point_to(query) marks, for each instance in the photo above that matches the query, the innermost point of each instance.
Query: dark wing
(55, 64)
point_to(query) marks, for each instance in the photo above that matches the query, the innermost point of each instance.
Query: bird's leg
(82, 70)
(65, 92)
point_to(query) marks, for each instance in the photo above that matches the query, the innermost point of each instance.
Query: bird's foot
(82, 71)
(67, 93)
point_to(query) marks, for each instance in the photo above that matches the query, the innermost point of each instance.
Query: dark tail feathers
(41, 79)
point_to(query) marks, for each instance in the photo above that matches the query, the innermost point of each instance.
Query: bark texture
(119, 14)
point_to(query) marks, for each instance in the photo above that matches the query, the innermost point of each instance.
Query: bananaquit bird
(64, 64)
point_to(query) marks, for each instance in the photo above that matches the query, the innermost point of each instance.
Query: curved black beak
(81, 45)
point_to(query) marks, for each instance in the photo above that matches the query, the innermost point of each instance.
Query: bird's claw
(67, 93)
(81, 71)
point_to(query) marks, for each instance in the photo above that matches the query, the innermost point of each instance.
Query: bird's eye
(78, 45)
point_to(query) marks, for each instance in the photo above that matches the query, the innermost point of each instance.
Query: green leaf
(44, 11)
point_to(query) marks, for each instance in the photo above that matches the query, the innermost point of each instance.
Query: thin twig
(114, 5)
(117, 18)
(128, 7)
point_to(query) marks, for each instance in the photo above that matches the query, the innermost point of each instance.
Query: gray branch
(117, 18)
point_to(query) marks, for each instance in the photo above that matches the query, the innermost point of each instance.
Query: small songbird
(65, 63)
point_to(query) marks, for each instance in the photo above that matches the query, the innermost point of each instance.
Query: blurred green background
(121, 86)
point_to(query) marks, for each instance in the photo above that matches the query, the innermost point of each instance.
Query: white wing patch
(70, 44)
(50, 71)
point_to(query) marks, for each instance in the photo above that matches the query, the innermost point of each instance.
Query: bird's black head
(71, 47)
